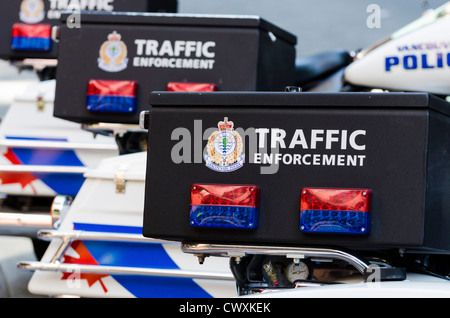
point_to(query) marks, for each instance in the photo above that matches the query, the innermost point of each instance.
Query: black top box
(232, 53)
(393, 147)
(40, 15)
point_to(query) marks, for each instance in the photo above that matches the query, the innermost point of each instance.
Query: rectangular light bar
(190, 87)
(31, 37)
(111, 96)
(224, 206)
(338, 211)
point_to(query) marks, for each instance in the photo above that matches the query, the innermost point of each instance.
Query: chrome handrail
(97, 236)
(29, 219)
(66, 238)
(46, 144)
(290, 252)
(43, 169)
(122, 270)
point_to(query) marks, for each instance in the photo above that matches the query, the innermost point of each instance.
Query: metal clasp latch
(40, 102)
(119, 178)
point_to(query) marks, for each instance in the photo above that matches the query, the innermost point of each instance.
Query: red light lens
(224, 206)
(31, 30)
(111, 96)
(336, 199)
(336, 211)
(31, 37)
(217, 194)
(112, 88)
(190, 87)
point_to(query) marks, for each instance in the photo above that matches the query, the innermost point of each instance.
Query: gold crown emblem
(225, 125)
(114, 36)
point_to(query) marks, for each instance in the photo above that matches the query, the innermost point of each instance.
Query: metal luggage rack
(45, 69)
(111, 129)
(366, 268)
(55, 264)
(129, 138)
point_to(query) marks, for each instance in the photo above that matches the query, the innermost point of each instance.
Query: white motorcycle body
(103, 226)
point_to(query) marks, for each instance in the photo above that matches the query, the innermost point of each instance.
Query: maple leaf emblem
(24, 178)
(84, 259)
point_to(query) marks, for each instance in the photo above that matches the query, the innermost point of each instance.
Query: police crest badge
(113, 54)
(224, 148)
(32, 11)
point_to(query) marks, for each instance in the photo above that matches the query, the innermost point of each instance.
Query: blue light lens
(239, 217)
(31, 44)
(102, 103)
(342, 222)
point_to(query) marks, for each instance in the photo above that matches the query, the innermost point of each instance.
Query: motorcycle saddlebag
(156, 52)
(269, 168)
(25, 25)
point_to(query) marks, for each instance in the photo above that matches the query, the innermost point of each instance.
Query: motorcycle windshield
(428, 18)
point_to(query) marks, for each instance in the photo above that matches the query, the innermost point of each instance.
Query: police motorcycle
(43, 157)
(343, 190)
(97, 248)
(261, 258)
(413, 58)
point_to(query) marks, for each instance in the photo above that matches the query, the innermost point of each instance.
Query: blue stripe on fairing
(61, 183)
(92, 227)
(146, 255)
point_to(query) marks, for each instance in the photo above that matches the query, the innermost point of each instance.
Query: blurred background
(322, 25)
(319, 25)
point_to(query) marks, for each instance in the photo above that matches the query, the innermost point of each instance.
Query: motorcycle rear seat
(318, 66)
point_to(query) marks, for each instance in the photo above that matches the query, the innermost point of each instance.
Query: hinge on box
(292, 89)
(143, 119)
(119, 178)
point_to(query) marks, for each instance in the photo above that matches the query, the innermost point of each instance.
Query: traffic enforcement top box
(25, 25)
(161, 52)
(356, 170)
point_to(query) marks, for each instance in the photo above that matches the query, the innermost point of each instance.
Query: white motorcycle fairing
(99, 250)
(41, 155)
(415, 58)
